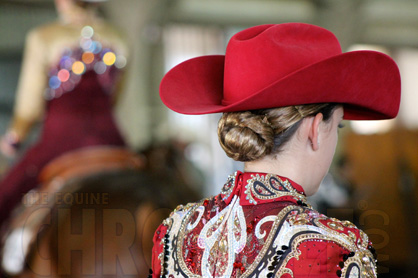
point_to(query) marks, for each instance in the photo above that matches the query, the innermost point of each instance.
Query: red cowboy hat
(280, 65)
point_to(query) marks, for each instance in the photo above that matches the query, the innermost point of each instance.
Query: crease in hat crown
(286, 64)
(290, 51)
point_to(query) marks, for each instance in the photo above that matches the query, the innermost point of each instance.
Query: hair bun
(245, 136)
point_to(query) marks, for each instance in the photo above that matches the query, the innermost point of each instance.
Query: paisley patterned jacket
(259, 226)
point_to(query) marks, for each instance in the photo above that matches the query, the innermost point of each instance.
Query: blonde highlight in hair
(251, 135)
(245, 136)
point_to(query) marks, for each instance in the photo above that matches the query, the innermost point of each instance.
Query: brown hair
(251, 135)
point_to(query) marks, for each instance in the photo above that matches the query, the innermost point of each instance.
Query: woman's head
(297, 142)
(252, 135)
(272, 84)
(75, 6)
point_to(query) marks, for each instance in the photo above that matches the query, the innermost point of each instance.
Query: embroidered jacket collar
(259, 188)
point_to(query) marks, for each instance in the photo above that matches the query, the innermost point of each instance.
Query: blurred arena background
(374, 176)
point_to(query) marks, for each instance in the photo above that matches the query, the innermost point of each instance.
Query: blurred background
(373, 180)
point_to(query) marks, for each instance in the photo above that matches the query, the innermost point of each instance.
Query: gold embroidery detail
(363, 259)
(180, 240)
(269, 241)
(295, 216)
(257, 260)
(229, 186)
(269, 188)
(348, 224)
(299, 219)
(335, 224)
(285, 271)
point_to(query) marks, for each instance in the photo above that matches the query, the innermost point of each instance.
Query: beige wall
(139, 111)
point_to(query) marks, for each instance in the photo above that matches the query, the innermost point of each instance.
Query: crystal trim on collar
(255, 188)
(269, 187)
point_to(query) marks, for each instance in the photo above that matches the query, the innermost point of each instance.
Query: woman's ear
(314, 131)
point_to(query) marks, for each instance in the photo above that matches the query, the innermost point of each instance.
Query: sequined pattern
(90, 55)
(268, 187)
(278, 237)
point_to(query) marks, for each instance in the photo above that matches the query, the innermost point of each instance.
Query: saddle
(27, 219)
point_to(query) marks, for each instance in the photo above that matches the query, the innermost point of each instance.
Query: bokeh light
(109, 58)
(87, 31)
(86, 44)
(87, 57)
(63, 75)
(120, 61)
(100, 67)
(66, 62)
(78, 67)
(54, 82)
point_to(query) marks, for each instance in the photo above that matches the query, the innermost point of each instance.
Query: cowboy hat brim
(367, 83)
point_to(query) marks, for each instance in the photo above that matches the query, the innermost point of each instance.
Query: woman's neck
(78, 16)
(299, 166)
(284, 167)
